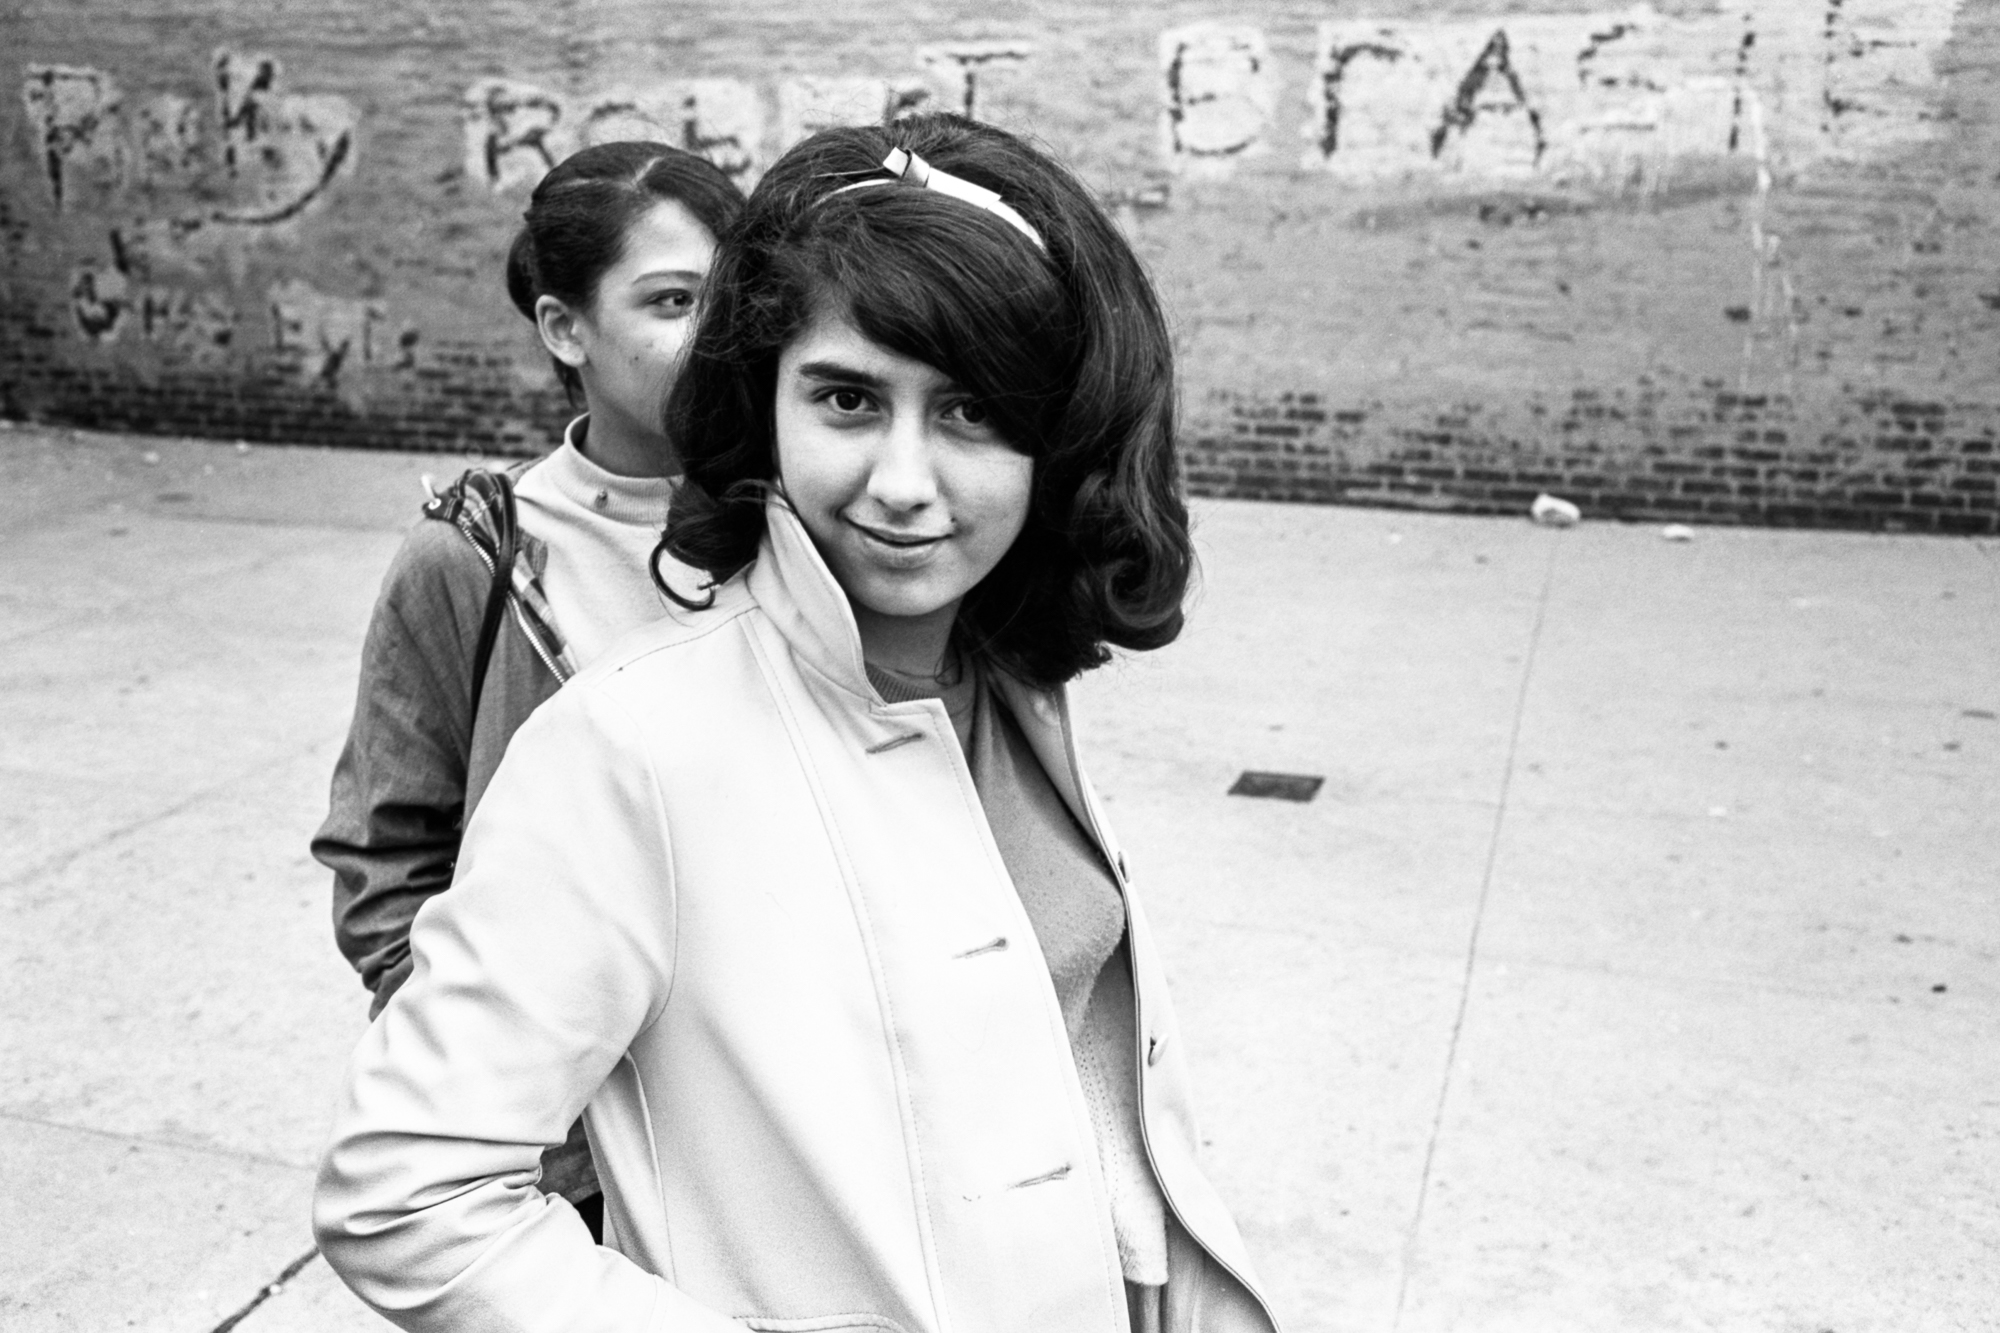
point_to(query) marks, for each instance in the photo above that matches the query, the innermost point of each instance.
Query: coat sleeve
(392, 827)
(532, 977)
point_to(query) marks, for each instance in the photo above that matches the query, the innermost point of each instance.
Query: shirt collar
(574, 475)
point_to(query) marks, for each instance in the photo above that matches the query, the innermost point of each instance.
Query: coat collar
(794, 587)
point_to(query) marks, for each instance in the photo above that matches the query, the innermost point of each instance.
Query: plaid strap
(531, 611)
(470, 511)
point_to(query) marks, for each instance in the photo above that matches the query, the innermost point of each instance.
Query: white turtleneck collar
(572, 473)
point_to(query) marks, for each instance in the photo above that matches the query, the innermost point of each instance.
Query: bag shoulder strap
(480, 504)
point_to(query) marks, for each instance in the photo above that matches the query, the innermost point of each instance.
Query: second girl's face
(910, 494)
(640, 319)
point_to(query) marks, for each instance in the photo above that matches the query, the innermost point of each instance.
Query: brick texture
(1729, 264)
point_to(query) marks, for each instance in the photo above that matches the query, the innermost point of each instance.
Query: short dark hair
(1066, 348)
(581, 212)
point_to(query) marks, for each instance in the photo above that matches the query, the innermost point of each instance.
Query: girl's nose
(903, 477)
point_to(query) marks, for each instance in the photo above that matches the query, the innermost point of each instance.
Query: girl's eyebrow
(833, 372)
(687, 274)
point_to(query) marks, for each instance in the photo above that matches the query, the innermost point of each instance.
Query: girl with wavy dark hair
(801, 897)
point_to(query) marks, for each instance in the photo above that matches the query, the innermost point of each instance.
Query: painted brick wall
(1728, 261)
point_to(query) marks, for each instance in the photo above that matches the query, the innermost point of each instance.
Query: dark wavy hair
(581, 212)
(1067, 350)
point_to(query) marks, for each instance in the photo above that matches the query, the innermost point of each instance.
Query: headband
(906, 166)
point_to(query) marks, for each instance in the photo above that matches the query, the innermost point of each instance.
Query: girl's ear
(562, 331)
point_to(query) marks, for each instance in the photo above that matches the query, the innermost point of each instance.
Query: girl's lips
(898, 552)
(902, 541)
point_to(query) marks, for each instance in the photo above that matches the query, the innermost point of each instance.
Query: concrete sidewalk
(1634, 969)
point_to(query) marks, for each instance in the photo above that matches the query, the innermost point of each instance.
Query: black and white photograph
(1306, 666)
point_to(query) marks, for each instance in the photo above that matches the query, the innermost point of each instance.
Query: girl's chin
(903, 606)
(905, 599)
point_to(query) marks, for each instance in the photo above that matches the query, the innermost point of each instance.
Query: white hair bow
(906, 166)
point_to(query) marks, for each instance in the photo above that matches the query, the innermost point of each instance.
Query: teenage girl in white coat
(800, 896)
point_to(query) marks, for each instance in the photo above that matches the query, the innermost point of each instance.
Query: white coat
(750, 922)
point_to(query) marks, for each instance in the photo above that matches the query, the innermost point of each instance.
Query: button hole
(894, 741)
(1153, 1048)
(1043, 1179)
(991, 946)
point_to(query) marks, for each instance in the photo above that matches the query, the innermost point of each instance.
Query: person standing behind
(530, 573)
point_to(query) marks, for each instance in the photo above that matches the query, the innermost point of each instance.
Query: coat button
(601, 499)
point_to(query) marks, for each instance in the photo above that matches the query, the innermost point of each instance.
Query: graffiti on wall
(279, 150)
(1596, 97)
(318, 337)
(134, 291)
(515, 131)
(255, 155)
(1218, 95)
(809, 103)
(1878, 80)
(1583, 96)
(1606, 97)
(260, 153)
(74, 115)
(510, 132)
(960, 66)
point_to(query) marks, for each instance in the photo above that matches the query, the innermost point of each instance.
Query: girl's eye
(970, 413)
(847, 400)
(674, 301)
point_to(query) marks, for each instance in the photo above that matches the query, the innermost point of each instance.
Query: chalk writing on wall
(961, 65)
(110, 299)
(1610, 96)
(515, 131)
(98, 299)
(73, 113)
(269, 156)
(510, 131)
(198, 324)
(167, 133)
(1216, 95)
(1877, 70)
(1449, 98)
(198, 171)
(317, 337)
(723, 120)
(808, 103)
(280, 149)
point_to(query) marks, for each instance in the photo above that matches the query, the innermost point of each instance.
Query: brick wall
(1724, 261)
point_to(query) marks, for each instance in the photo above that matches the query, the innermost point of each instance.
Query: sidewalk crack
(57, 862)
(149, 1141)
(291, 1270)
(1472, 940)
